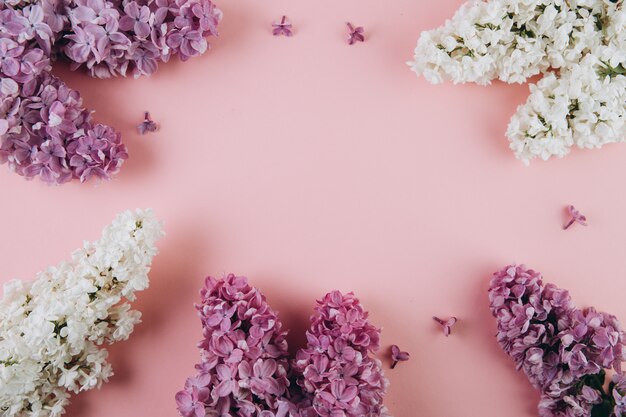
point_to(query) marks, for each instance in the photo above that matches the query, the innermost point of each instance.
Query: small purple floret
(148, 125)
(283, 27)
(575, 217)
(446, 324)
(355, 34)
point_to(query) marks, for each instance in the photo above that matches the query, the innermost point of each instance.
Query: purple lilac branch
(45, 131)
(245, 369)
(564, 351)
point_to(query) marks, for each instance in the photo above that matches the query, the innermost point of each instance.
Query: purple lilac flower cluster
(335, 369)
(119, 37)
(245, 369)
(564, 351)
(44, 129)
(49, 134)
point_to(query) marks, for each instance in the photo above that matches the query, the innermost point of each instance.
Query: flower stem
(571, 222)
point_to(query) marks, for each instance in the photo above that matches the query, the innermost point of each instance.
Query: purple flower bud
(148, 125)
(446, 324)
(245, 368)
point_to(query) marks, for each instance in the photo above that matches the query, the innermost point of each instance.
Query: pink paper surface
(310, 165)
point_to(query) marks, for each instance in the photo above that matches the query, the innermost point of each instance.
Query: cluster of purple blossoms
(336, 370)
(564, 351)
(44, 129)
(245, 369)
(119, 37)
(49, 134)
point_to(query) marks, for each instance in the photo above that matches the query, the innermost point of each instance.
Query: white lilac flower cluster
(52, 329)
(579, 46)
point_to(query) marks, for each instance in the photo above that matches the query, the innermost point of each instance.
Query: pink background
(309, 165)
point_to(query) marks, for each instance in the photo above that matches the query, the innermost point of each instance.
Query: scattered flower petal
(336, 365)
(148, 125)
(398, 356)
(446, 324)
(239, 367)
(576, 217)
(356, 34)
(523, 41)
(283, 27)
(45, 131)
(565, 352)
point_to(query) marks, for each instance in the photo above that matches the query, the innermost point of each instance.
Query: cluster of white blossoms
(579, 45)
(52, 329)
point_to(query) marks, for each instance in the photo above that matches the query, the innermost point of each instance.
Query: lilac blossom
(355, 34)
(32, 24)
(55, 15)
(283, 27)
(188, 42)
(617, 388)
(55, 329)
(148, 125)
(97, 12)
(191, 403)
(564, 351)
(82, 44)
(575, 217)
(44, 128)
(446, 324)
(10, 51)
(398, 356)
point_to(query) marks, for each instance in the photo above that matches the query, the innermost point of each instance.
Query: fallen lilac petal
(398, 356)
(576, 217)
(446, 324)
(282, 28)
(356, 34)
(148, 125)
